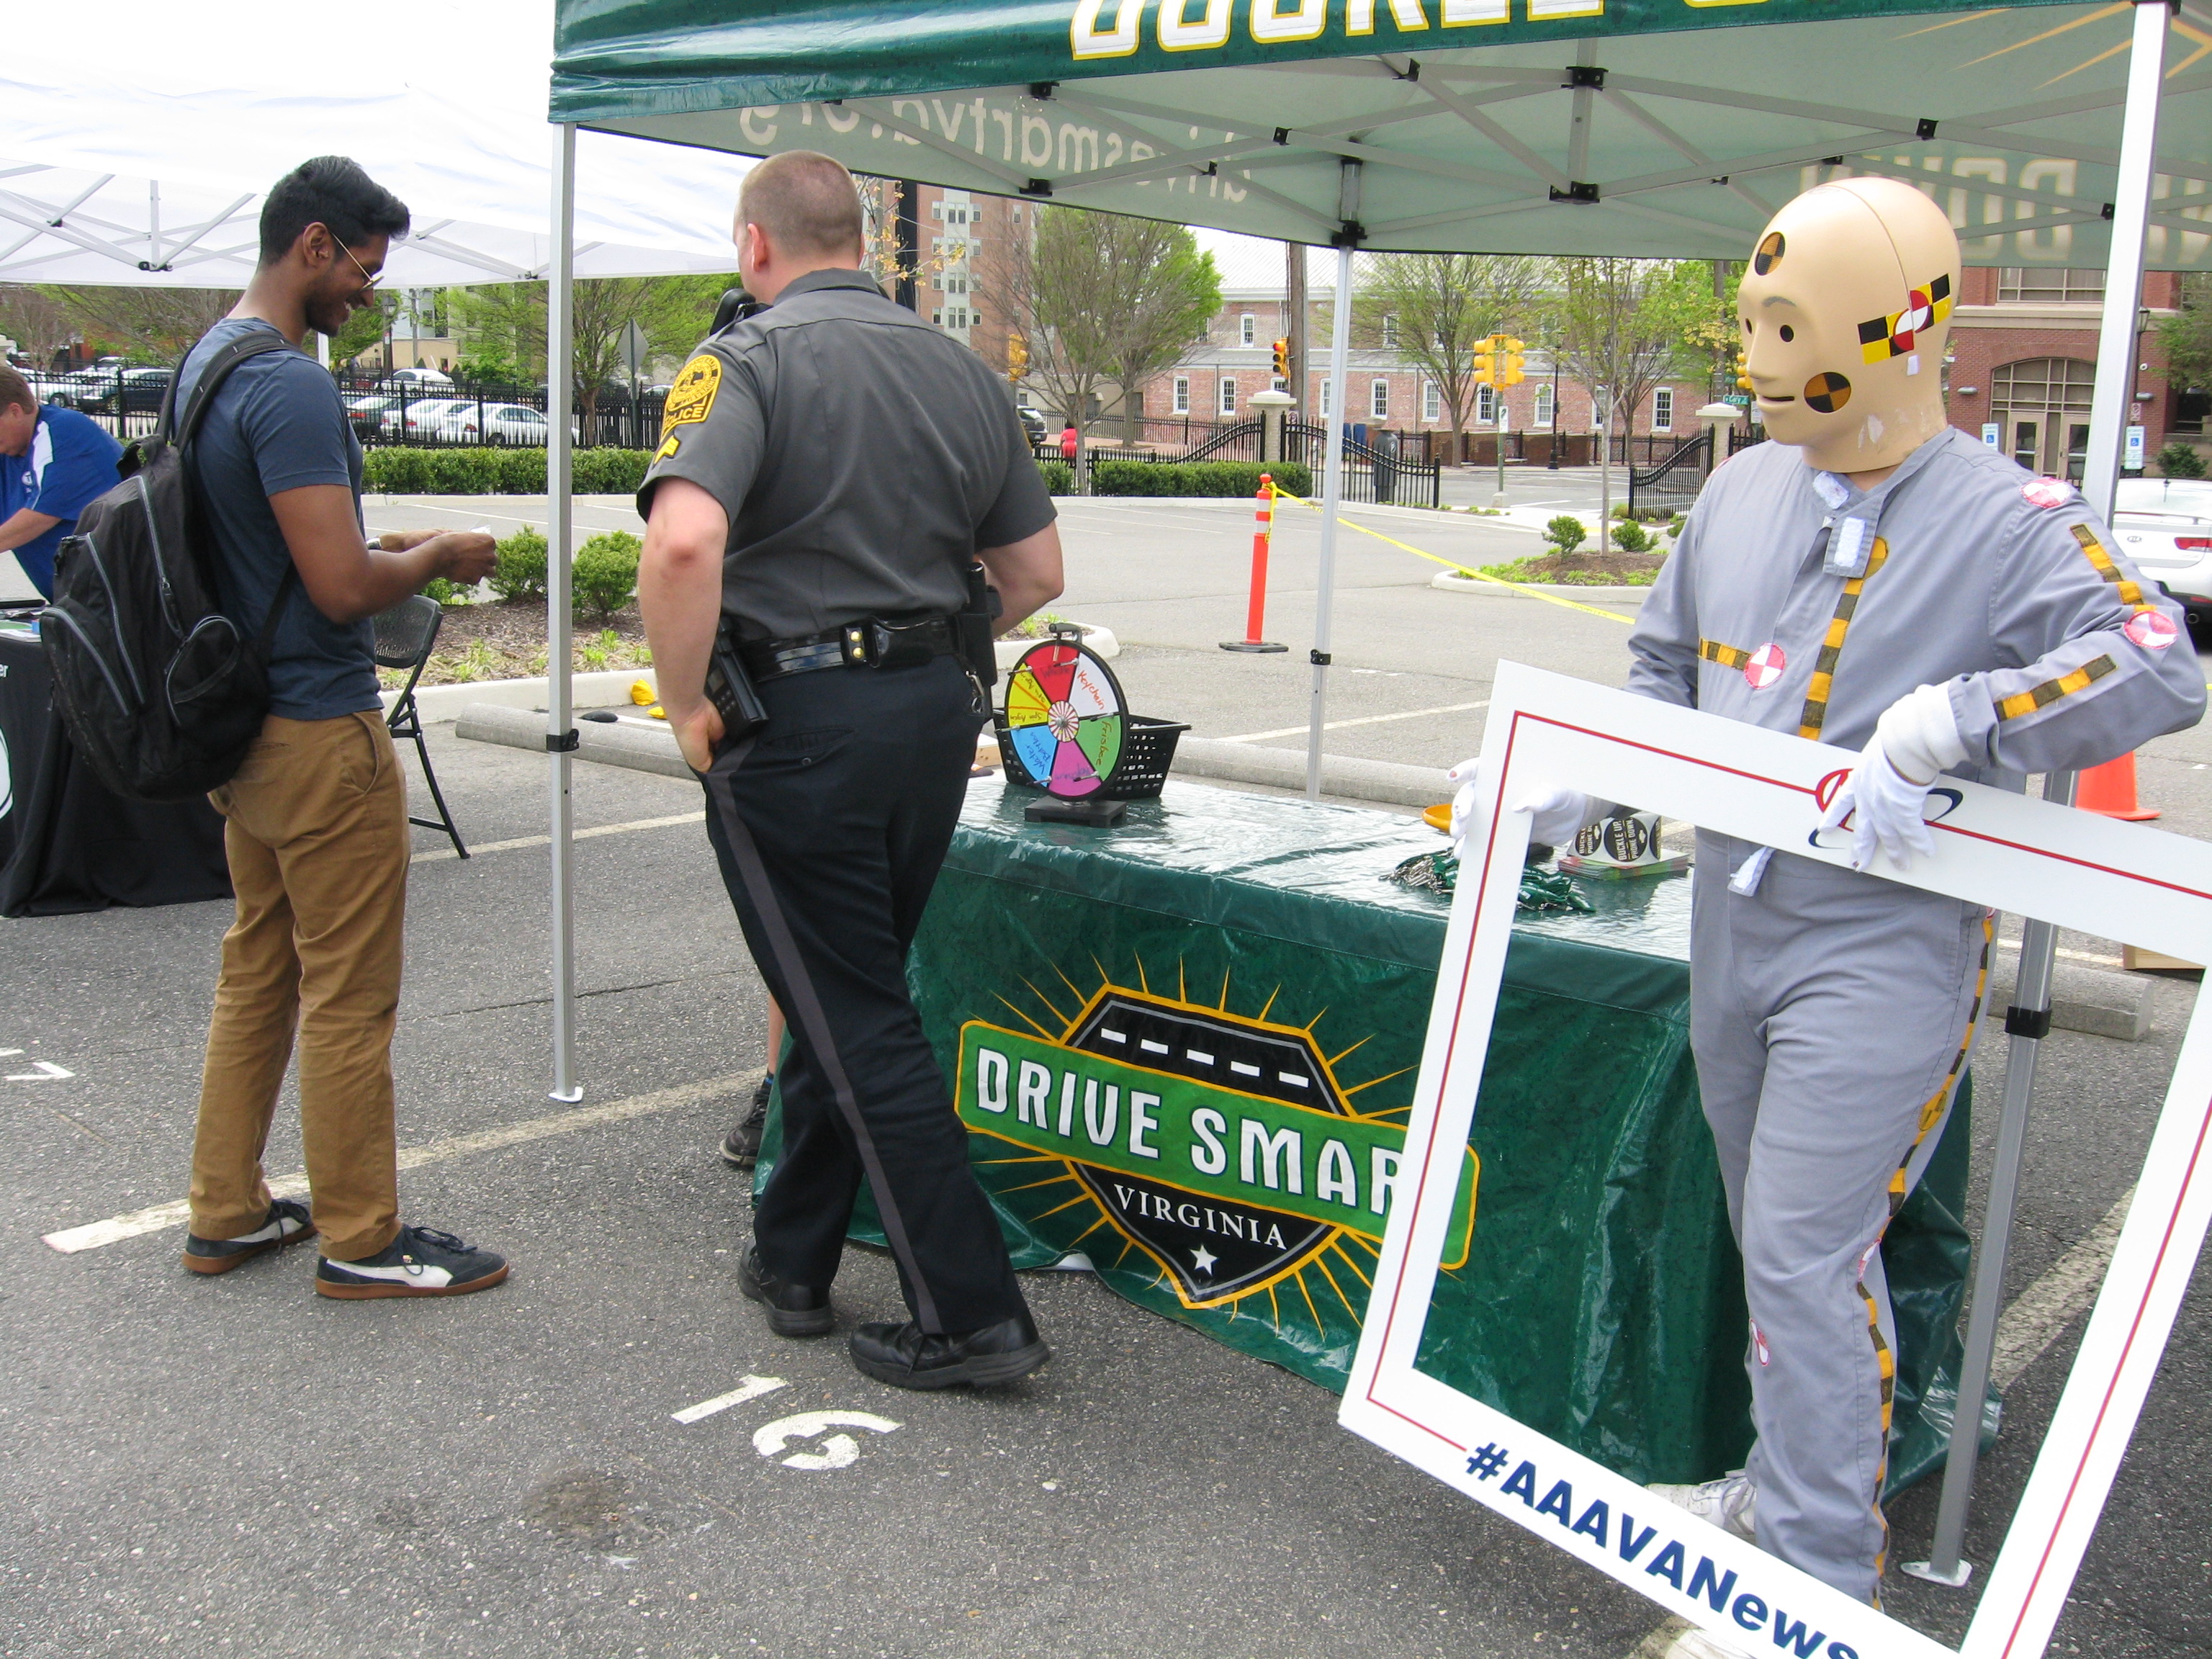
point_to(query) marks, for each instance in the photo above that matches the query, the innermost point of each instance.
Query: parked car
(417, 420)
(1032, 421)
(508, 425)
(412, 378)
(2165, 526)
(366, 412)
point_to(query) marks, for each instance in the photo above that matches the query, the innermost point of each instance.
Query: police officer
(830, 468)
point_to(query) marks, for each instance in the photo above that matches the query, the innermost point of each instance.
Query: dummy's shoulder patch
(2153, 631)
(2046, 493)
(692, 398)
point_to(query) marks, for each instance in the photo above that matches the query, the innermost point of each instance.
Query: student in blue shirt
(54, 463)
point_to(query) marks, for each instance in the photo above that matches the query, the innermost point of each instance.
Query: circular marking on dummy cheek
(1770, 252)
(1826, 393)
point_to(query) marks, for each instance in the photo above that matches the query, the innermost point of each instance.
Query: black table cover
(66, 844)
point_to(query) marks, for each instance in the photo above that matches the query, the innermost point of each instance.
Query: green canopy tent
(2055, 135)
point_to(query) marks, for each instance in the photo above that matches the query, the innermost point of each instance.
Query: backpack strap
(217, 371)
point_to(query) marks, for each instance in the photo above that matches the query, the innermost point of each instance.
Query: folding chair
(405, 636)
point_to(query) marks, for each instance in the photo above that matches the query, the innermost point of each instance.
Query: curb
(647, 746)
(1451, 581)
(603, 688)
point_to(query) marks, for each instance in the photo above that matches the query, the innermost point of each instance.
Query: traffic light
(1508, 355)
(1283, 358)
(1017, 356)
(1483, 364)
(1742, 371)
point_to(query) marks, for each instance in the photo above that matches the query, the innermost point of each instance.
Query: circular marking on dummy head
(1770, 252)
(1767, 666)
(2153, 631)
(1826, 393)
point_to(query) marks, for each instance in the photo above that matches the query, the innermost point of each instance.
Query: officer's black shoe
(792, 1309)
(740, 1148)
(902, 1355)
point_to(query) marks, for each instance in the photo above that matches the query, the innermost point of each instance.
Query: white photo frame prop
(2009, 852)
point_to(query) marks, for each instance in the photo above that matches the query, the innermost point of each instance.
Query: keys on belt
(871, 642)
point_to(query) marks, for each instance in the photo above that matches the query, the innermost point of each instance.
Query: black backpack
(160, 691)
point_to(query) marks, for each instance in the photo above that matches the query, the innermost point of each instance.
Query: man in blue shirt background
(54, 463)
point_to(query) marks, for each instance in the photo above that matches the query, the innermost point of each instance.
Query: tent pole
(1331, 492)
(2029, 1016)
(559, 724)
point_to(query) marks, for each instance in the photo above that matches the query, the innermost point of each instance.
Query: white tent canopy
(156, 166)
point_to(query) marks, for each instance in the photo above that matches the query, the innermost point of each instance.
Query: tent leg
(2109, 412)
(1331, 493)
(559, 724)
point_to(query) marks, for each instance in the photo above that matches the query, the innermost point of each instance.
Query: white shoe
(1731, 1502)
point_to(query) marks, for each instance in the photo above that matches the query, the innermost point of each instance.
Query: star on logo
(1204, 1259)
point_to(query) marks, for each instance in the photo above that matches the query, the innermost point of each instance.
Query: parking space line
(547, 840)
(2043, 1311)
(95, 1234)
(1364, 719)
(752, 1389)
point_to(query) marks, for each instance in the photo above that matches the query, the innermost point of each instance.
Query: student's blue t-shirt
(278, 423)
(70, 464)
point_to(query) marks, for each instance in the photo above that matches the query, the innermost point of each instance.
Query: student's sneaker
(1731, 1502)
(421, 1261)
(740, 1148)
(287, 1223)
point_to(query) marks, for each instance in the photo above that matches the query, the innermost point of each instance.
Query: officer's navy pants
(843, 806)
(1829, 1013)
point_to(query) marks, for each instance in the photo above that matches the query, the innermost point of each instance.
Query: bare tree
(39, 323)
(1171, 290)
(1616, 336)
(157, 324)
(1432, 309)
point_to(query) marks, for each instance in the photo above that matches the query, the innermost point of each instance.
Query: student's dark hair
(333, 191)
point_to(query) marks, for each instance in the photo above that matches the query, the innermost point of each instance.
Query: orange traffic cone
(2110, 791)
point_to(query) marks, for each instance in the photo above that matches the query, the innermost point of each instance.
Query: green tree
(2186, 337)
(1616, 336)
(1694, 303)
(1431, 309)
(149, 324)
(1173, 292)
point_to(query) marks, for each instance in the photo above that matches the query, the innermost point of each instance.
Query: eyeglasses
(367, 280)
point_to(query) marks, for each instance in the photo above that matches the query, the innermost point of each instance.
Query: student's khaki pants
(317, 838)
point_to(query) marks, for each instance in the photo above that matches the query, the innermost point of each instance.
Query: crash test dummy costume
(1959, 616)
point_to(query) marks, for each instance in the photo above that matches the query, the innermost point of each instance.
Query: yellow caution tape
(1454, 564)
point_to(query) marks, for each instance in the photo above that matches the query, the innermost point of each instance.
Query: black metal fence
(1378, 474)
(1671, 485)
(422, 409)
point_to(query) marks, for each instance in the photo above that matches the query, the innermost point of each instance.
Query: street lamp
(1553, 463)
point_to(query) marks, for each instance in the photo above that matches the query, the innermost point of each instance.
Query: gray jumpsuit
(1831, 1011)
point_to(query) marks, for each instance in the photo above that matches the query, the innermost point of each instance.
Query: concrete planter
(1452, 582)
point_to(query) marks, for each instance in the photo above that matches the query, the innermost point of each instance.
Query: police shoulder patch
(692, 398)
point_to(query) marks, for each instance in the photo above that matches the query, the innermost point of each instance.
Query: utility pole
(1294, 303)
(909, 228)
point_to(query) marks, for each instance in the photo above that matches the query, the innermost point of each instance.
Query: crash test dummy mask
(1844, 312)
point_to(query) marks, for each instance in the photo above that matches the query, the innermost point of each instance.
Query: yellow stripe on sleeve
(2043, 696)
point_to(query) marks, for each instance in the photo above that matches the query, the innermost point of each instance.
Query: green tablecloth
(1248, 948)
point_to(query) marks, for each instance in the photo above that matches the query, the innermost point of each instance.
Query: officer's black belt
(871, 642)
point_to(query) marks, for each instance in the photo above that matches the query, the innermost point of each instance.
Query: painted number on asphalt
(838, 1451)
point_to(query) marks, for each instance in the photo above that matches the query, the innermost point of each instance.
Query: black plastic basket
(1148, 749)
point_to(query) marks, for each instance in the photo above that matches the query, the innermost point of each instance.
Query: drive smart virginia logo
(1220, 1146)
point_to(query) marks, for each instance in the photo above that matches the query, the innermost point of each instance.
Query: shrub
(1631, 537)
(446, 592)
(1058, 477)
(1565, 533)
(2179, 461)
(1196, 477)
(519, 571)
(397, 470)
(604, 573)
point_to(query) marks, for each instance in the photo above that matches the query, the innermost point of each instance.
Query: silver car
(2165, 525)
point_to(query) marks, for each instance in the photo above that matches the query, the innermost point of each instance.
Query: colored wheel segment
(1064, 718)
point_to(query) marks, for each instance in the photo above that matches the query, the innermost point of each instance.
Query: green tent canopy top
(1535, 126)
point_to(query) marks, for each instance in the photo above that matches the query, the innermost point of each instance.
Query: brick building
(2024, 360)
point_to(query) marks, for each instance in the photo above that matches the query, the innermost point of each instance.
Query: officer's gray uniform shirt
(1831, 1010)
(862, 455)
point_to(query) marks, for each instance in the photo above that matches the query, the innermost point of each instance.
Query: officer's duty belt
(871, 642)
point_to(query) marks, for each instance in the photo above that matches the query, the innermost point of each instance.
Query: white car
(412, 378)
(513, 425)
(421, 418)
(2165, 526)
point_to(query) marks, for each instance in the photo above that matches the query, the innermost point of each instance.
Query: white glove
(1558, 814)
(1887, 793)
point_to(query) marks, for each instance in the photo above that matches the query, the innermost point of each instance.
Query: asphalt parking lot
(234, 1466)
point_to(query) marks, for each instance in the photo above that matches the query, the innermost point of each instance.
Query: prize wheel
(1065, 717)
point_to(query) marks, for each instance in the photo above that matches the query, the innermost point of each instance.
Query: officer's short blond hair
(807, 204)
